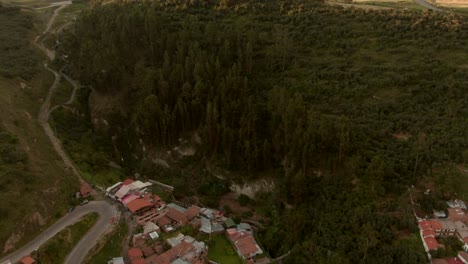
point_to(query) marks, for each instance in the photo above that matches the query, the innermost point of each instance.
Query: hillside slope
(35, 188)
(342, 108)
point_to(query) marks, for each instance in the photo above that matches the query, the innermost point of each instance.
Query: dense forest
(345, 107)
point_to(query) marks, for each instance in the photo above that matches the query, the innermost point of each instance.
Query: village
(445, 232)
(172, 233)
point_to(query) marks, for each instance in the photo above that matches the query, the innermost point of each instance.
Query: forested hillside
(346, 107)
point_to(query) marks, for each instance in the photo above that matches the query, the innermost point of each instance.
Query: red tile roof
(135, 253)
(431, 243)
(85, 189)
(176, 215)
(27, 260)
(247, 246)
(138, 204)
(138, 261)
(168, 256)
(430, 224)
(127, 182)
(192, 212)
(163, 221)
(454, 260)
(428, 233)
(147, 251)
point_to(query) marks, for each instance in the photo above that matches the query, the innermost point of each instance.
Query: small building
(139, 206)
(150, 227)
(153, 235)
(192, 212)
(127, 182)
(176, 216)
(138, 261)
(135, 253)
(439, 214)
(229, 223)
(147, 251)
(457, 214)
(430, 243)
(85, 189)
(247, 247)
(27, 260)
(118, 260)
(457, 204)
(244, 227)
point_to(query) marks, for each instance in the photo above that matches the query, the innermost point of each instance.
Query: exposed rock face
(251, 188)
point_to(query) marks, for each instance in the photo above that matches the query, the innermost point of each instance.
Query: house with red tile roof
(192, 212)
(138, 261)
(247, 247)
(176, 216)
(27, 260)
(244, 243)
(135, 253)
(139, 205)
(127, 182)
(430, 243)
(85, 189)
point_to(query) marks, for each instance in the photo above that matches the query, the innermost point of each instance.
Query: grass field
(221, 251)
(57, 248)
(111, 246)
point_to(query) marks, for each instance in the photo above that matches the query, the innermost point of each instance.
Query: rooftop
(85, 188)
(135, 253)
(176, 215)
(27, 260)
(138, 204)
(248, 247)
(431, 243)
(127, 182)
(177, 207)
(192, 212)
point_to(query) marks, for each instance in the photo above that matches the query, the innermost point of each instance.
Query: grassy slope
(38, 202)
(57, 248)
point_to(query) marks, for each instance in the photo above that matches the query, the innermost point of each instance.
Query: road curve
(106, 212)
(427, 5)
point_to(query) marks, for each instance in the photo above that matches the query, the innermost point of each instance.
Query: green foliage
(314, 93)
(243, 199)
(17, 57)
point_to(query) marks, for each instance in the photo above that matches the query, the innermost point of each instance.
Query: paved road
(427, 5)
(106, 212)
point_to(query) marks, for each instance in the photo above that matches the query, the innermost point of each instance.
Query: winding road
(107, 212)
(427, 5)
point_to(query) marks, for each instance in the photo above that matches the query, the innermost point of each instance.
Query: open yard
(222, 251)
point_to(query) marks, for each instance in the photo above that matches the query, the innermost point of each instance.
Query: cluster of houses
(451, 224)
(155, 216)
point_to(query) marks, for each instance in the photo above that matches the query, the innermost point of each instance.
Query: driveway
(106, 212)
